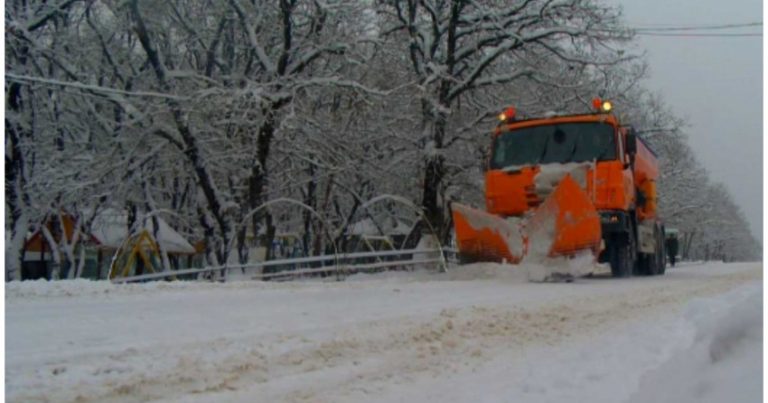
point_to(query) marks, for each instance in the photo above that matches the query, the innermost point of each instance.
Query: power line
(721, 35)
(699, 27)
(694, 30)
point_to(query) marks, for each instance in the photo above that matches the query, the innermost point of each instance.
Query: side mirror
(631, 145)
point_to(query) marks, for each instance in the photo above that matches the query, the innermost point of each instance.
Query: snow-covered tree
(455, 46)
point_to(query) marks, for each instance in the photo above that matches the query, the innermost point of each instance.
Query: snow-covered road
(479, 333)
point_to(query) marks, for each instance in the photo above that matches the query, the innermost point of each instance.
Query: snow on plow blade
(566, 223)
(484, 237)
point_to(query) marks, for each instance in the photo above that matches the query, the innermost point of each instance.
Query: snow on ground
(478, 333)
(725, 354)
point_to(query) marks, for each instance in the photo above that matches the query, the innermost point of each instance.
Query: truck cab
(617, 170)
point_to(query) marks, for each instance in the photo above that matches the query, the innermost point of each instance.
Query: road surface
(478, 333)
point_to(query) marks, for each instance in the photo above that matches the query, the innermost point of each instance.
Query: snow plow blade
(485, 237)
(565, 224)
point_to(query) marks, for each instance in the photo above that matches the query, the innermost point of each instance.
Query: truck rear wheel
(652, 264)
(645, 264)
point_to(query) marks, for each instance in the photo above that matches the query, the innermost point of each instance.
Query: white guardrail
(341, 264)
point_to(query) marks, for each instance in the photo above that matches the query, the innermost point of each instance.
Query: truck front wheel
(621, 252)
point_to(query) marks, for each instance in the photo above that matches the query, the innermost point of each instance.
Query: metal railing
(339, 265)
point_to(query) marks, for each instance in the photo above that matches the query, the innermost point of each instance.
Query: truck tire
(622, 255)
(645, 264)
(661, 265)
(652, 264)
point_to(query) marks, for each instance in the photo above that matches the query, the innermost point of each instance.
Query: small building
(38, 258)
(108, 238)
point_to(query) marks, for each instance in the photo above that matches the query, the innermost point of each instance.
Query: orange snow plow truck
(566, 185)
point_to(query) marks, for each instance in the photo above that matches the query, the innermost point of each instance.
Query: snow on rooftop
(170, 239)
(111, 229)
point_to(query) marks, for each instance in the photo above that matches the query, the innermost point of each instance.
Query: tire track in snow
(468, 337)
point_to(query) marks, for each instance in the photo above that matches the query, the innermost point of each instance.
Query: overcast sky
(715, 84)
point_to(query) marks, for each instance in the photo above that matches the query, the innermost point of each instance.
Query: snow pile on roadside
(466, 272)
(534, 270)
(528, 271)
(485, 271)
(36, 289)
(537, 264)
(724, 361)
(547, 269)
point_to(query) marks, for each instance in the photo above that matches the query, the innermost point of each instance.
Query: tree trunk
(258, 179)
(16, 200)
(310, 199)
(242, 246)
(433, 179)
(14, 256)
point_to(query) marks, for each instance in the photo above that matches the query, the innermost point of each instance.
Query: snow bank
(549, 269)
(467, 272)
(723, 362)
(41, 289)
(485, 271)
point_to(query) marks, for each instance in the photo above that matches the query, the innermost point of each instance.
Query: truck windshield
(565, 142)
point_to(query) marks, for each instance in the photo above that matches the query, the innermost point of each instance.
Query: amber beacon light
(602, 106)
(508, 114)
